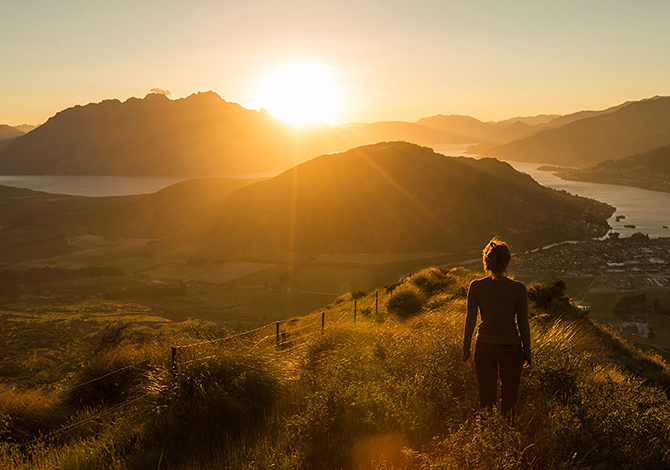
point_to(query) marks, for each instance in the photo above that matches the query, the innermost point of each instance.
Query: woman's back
(501, 303)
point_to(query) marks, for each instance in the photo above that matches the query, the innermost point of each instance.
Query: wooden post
(323, 321)
(376, 302)
(174, 361)
(355, 308)
(277, 332)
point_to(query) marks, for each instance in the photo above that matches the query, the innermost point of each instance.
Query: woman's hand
(466, 357)
(527, 360)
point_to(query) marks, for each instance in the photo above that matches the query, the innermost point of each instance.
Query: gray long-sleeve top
(502, 304)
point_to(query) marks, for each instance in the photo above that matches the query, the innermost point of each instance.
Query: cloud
(161, 91)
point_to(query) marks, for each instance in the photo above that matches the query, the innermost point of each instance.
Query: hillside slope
(8, 134)
(387, 391)
(389, 197)
(637, 127)
(401, 197)
(201, 135)
(648, 170)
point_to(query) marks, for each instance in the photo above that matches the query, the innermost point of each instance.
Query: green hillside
(388, 391)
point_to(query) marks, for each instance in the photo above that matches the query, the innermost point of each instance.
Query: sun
(301, 93)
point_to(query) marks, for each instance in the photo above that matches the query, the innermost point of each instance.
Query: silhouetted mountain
(649, 170)
(634, 128)
(568, 118)
(473, 129)
(530, 120)
(8, 134)
(198, 135)
(388, 197)
(401, 197)
(25, 128)
(515, 131)
(406, 131)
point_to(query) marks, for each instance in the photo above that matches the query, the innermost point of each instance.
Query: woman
(501, 347)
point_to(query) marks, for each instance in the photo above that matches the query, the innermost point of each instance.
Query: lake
(649, 211)
(98, 186)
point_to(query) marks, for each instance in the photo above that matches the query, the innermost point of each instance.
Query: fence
(174, 354)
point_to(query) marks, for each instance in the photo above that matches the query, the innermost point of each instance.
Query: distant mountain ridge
(8, 134)
(631, 128)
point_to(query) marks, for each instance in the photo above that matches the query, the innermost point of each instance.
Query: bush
(549, 297)
(430, 280)
(359, 294)
(109, 377)
(405, 302)
(20, 423)
(212, 399)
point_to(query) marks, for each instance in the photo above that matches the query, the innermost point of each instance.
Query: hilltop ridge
(400, 197)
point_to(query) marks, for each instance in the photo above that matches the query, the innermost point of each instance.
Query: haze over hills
(648, 170)
(399, 197)
(199, 135)
(8, 134)
(389, 197)
(632, 128)
(204, 135)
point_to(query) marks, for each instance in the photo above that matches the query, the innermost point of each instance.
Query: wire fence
(286, 341)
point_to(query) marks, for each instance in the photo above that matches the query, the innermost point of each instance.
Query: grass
(384, 392)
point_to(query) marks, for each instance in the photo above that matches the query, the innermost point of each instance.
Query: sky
(390, 60)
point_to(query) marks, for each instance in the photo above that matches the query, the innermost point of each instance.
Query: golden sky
(386, 60)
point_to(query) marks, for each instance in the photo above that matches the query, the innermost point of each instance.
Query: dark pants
(489, 360)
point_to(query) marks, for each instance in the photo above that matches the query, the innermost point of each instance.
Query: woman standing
(503, 339)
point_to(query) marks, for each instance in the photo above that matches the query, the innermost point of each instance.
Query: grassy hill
(388, 391)
(201, 135)
(634, 128)
(648, 170)
(399, 197)
(333, 203)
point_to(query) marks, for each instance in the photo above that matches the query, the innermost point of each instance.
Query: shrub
(20, 423)
(359, 294)
(109, 377)
(405, 302)
(429, 280)
(549, 297)
(212, 399)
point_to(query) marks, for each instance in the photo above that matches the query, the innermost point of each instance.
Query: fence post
(355, 308)
(277, 332)
(323, 321)
(376, 302)
(174, 361)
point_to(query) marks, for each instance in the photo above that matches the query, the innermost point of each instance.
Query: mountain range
(631, 128)
(204, 135)
(199, 135)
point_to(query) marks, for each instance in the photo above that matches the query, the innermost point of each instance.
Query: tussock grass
(386, 392)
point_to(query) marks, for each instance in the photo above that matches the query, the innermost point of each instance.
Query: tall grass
(387, 392)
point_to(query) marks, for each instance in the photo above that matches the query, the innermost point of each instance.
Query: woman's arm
(522, 323)
(470, 322)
